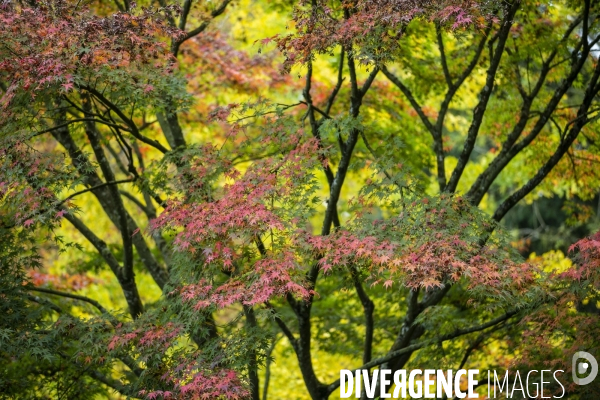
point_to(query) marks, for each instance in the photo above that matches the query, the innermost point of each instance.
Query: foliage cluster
(234, 213)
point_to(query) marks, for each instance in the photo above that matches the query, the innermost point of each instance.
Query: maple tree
(364, 219)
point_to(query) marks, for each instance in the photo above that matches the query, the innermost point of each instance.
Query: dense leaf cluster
(357, 213)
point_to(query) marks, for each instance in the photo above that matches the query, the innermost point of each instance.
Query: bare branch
(368, 310)
(435, 131)
(72, 121)
(509, 149)
(185, 11)
(127, 286)
(440, 42)
(425, 343)
(365, 87)
(94, 188)
(582, 119)
(194, 32)
(411, 98)
(284, 328)
(45, 302)
(93, 302)
(484, 96)
(134, 130)
(338, 85)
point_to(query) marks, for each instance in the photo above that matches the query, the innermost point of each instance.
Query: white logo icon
(584, 367)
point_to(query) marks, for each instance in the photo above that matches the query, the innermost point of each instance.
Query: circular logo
(580, 368)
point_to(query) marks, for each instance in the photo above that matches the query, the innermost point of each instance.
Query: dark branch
(72, 121)
(484, 96)
(194, 32)
(94, 188)
(509, 149)
(411, 98)
(425, 343)
(440, 42)
(93, 302)
(44, 302)
(338, 85)
(133, 127)
(284, 328)
(582, 119)
(127, 286)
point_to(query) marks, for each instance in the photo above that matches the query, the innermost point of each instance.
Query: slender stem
(425, 343)
(93, 302)
(94, 188)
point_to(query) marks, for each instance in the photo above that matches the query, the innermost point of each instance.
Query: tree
(378, 196)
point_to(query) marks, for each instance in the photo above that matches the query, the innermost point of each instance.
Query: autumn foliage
(175, 200)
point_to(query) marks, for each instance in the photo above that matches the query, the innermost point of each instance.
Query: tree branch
(440, 43)
(72, 121)
(425, 343)
(435, 131)
(44, 302)
(129, 288)
(365, 87)
(94, 188)
(151, 214)
(445, 105)
(409, 96)
(484, 97)
(338, 85)
(509, 150)
(282, 325)
(368, 309)
(251, 324)
(94, 139)
(185, 11)
(134, 130)
(194, 32)
(111, 383)
(582, 119)
(93, 302)
(106, 199)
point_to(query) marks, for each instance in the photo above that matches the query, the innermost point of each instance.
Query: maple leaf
(154, 395)
(253, 223)
(267, 40)
(60, 214)
(67, 86)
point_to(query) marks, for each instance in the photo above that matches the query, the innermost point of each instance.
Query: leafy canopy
(188, 191)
